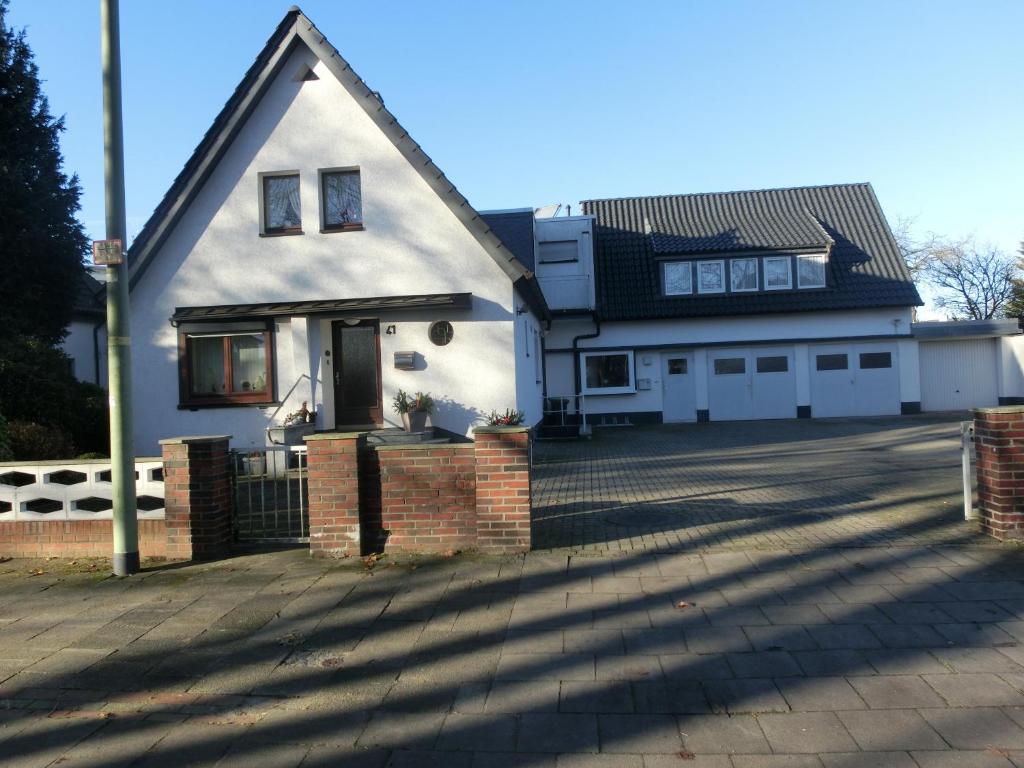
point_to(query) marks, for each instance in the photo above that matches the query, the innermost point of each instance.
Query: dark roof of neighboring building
(933, 330)
(294, 29)
(634, 235)
(515, 228)
(90, 297)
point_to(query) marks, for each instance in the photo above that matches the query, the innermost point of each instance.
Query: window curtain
(248, 364)
(282, 202)
(207, 353)
(343, 199)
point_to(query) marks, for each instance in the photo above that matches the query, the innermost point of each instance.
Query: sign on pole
(107, 253)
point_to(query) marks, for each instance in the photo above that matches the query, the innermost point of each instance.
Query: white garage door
(854, 380)
(751, 384)
(957, 375)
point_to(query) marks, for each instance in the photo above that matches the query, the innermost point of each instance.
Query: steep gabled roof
(296, 28)
(515, 228)
(634, 235)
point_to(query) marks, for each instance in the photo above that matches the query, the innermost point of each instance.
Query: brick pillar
(334, 493)
(999, 438)
(503, 488)
(197, 497)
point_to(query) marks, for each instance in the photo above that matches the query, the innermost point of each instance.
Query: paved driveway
(836, 482)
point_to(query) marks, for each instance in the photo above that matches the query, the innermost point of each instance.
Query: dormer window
(810, 270)
(677, 277)
(282, 210)
(710, 276)
(778, 274)
(743, 274)
(342, 196)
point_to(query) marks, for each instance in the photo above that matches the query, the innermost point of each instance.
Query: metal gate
(271, 494)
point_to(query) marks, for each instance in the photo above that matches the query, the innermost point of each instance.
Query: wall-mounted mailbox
(405, 361)
(643, 383)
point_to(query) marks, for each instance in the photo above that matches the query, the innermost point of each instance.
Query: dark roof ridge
(728, 192)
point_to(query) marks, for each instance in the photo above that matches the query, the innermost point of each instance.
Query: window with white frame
(710, 276)
(608, 373)
(558, 252)
(743, 274)
(810, 270)
(777, 273)
(281, 208)
(677, 278)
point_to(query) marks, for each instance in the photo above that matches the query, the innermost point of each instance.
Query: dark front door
(357, 399)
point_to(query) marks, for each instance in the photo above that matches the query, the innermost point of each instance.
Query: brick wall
(197, 497)
(334, 493)
(420, 497)
(76, 538)
(428, 497)
(503, 489)
(999, 439)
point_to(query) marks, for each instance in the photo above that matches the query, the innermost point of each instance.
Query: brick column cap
(498, 430)
(333, 436)
(999, 409)
(194, 439)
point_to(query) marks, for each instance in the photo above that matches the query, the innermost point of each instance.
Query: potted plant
(413, 410)
(295, 426)
(509, 418)
(254, 463)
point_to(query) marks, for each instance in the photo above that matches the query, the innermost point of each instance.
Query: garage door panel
(757, 383)
(729, 389)
(854, 380)
(959, 375)
(774, 379)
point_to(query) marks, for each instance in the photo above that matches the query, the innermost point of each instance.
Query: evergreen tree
(42, 244)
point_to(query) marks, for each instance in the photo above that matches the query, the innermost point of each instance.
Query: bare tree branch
(970, 282)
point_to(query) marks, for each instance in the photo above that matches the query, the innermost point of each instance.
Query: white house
(311, 251)
(86, 339)
(779, 303)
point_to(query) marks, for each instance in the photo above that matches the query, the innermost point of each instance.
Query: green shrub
(39, 442)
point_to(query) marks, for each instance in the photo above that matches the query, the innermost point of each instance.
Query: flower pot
(415, 421)
(254, 465)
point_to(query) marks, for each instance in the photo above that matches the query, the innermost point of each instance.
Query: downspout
(577, 380)
(96, 349)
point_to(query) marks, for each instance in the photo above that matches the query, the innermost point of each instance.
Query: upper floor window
(710, 276)
(558, 251)
(678, 278)
(743, 273)
(342, 197)
(282, 211)
(810, 271)
(777, 273)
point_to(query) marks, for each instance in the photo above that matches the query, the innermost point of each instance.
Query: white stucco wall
(79, 346)
(1011, 366)
(412, 244)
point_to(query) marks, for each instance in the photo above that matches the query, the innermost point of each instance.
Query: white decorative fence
(74, 490)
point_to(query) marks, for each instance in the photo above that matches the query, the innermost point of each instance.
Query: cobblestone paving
(868, 656)
(753, 484)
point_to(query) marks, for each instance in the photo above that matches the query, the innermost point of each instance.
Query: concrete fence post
(999, 439)
(503, 490)
(333, 465)
(197, 497)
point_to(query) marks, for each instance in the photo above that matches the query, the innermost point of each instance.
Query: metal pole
(119, 379)
(966, 437)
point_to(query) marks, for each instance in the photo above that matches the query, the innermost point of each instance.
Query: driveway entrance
(795, 484)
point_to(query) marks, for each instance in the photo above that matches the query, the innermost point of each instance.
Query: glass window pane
(730, 365)
(607, 371)
(343, 200)
(811, 271)
(206, 355)
(831, 362)
(744, 274)
(711, 276)
(776, 273)
(676, 366)
(773, 364)
(876, 360)
(678, 278)
(558, 251)
(248, 363)
(281, 208)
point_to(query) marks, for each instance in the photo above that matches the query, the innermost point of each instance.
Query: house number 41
(390, 330)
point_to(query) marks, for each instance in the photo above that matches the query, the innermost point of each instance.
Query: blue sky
(527, 103)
